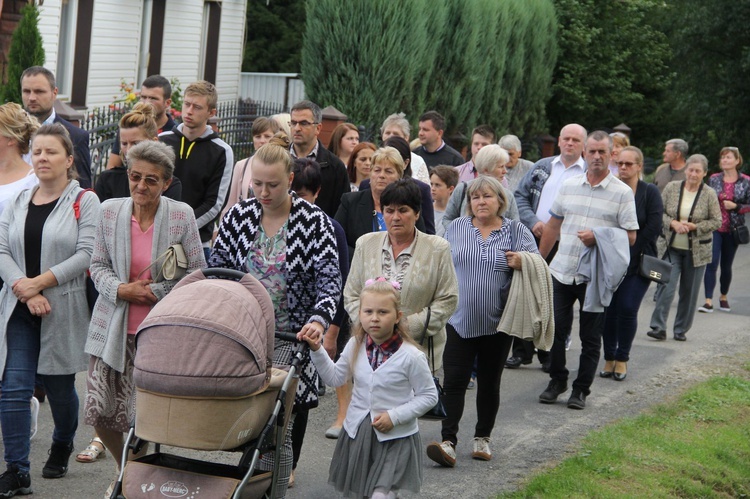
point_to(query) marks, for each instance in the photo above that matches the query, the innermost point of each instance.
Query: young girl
(381, 451)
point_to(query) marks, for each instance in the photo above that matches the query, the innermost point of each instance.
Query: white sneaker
(482, 449)
(442, 453)
(34, 416)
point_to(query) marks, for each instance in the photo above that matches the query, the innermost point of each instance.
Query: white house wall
(181, 52)
(231, 45)
(115, 38)
(49, 27)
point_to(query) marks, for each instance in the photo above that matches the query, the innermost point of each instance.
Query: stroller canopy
(207, 338)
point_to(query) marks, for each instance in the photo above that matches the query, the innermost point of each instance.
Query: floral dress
(266, 261)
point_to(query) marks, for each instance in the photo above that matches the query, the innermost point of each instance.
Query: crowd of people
(403, 264)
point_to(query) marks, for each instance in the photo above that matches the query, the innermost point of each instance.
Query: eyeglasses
(137, 177)
(626, 164)
(303, 124)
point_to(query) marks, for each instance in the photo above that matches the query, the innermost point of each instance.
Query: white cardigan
(401, 386)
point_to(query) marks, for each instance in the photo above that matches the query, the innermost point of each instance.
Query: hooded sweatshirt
(204, 166)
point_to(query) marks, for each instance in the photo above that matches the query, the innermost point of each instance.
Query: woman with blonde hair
(263, 131)
(136, 126)
(619, 140)
(289, 245)
(16, 129)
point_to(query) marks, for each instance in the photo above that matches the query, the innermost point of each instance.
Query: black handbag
(741, 234)
(655, 269)
(437, 413)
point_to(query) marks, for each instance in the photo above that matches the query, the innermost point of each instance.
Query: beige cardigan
(706, 217)
(529, 313)
(430, 281)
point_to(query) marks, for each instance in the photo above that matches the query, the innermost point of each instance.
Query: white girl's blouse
(401, 386)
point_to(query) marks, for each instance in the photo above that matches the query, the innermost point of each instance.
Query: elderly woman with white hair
(397, 124)
(490, 161)
(517, 166)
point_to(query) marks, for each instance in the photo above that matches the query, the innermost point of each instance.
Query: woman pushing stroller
(289, 245)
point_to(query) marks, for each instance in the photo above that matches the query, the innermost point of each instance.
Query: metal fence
(236, 121)
(102, 123)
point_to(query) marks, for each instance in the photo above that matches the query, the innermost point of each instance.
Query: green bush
(26, 50)
(471, 60)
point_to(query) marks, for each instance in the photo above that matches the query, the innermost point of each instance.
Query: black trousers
(490, 351)
(591, 328)
(525, 348)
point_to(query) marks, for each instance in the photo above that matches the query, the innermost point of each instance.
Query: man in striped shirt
(595, 199)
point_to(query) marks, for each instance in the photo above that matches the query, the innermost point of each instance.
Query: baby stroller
(204, 380)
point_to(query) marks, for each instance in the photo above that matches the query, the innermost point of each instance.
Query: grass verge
(695, 446)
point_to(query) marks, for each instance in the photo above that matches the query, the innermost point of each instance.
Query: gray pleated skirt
(362, 464)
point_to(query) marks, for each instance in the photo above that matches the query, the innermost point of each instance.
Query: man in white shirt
(534, 196)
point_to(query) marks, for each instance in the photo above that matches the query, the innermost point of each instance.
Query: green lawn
(696, 446)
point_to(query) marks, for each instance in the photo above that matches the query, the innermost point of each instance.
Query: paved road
(528, 435)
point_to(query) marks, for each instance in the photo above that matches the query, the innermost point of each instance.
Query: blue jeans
(723, 252)
(18, 386)
(621, 319)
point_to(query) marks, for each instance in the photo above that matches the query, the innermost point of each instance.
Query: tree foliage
(471, 60)
(612, 68)
(709, 100)
(274, 36)
(26, 50)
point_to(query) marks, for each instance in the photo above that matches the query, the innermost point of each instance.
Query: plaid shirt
(377, 354)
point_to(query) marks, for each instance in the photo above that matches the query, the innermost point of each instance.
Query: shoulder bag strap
(242, 177)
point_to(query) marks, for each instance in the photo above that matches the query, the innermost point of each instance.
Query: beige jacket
(430, 282)
(529, 313)
(706, 216)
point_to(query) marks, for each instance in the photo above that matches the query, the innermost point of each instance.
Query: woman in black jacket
(622, 314)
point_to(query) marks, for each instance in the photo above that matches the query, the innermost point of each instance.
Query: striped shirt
(582, 206)
(482, 271)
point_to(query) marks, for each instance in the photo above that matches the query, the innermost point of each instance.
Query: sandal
(92, 452)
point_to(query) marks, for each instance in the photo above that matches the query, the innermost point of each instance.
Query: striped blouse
(482, 271)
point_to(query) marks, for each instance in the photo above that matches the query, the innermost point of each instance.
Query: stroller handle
(287, 337)
(223, 273)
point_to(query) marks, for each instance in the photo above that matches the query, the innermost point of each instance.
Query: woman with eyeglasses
(621, 320)
(133, 234)
(135, 127)
(733, 189)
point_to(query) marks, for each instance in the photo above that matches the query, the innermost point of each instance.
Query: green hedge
(474, 61)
